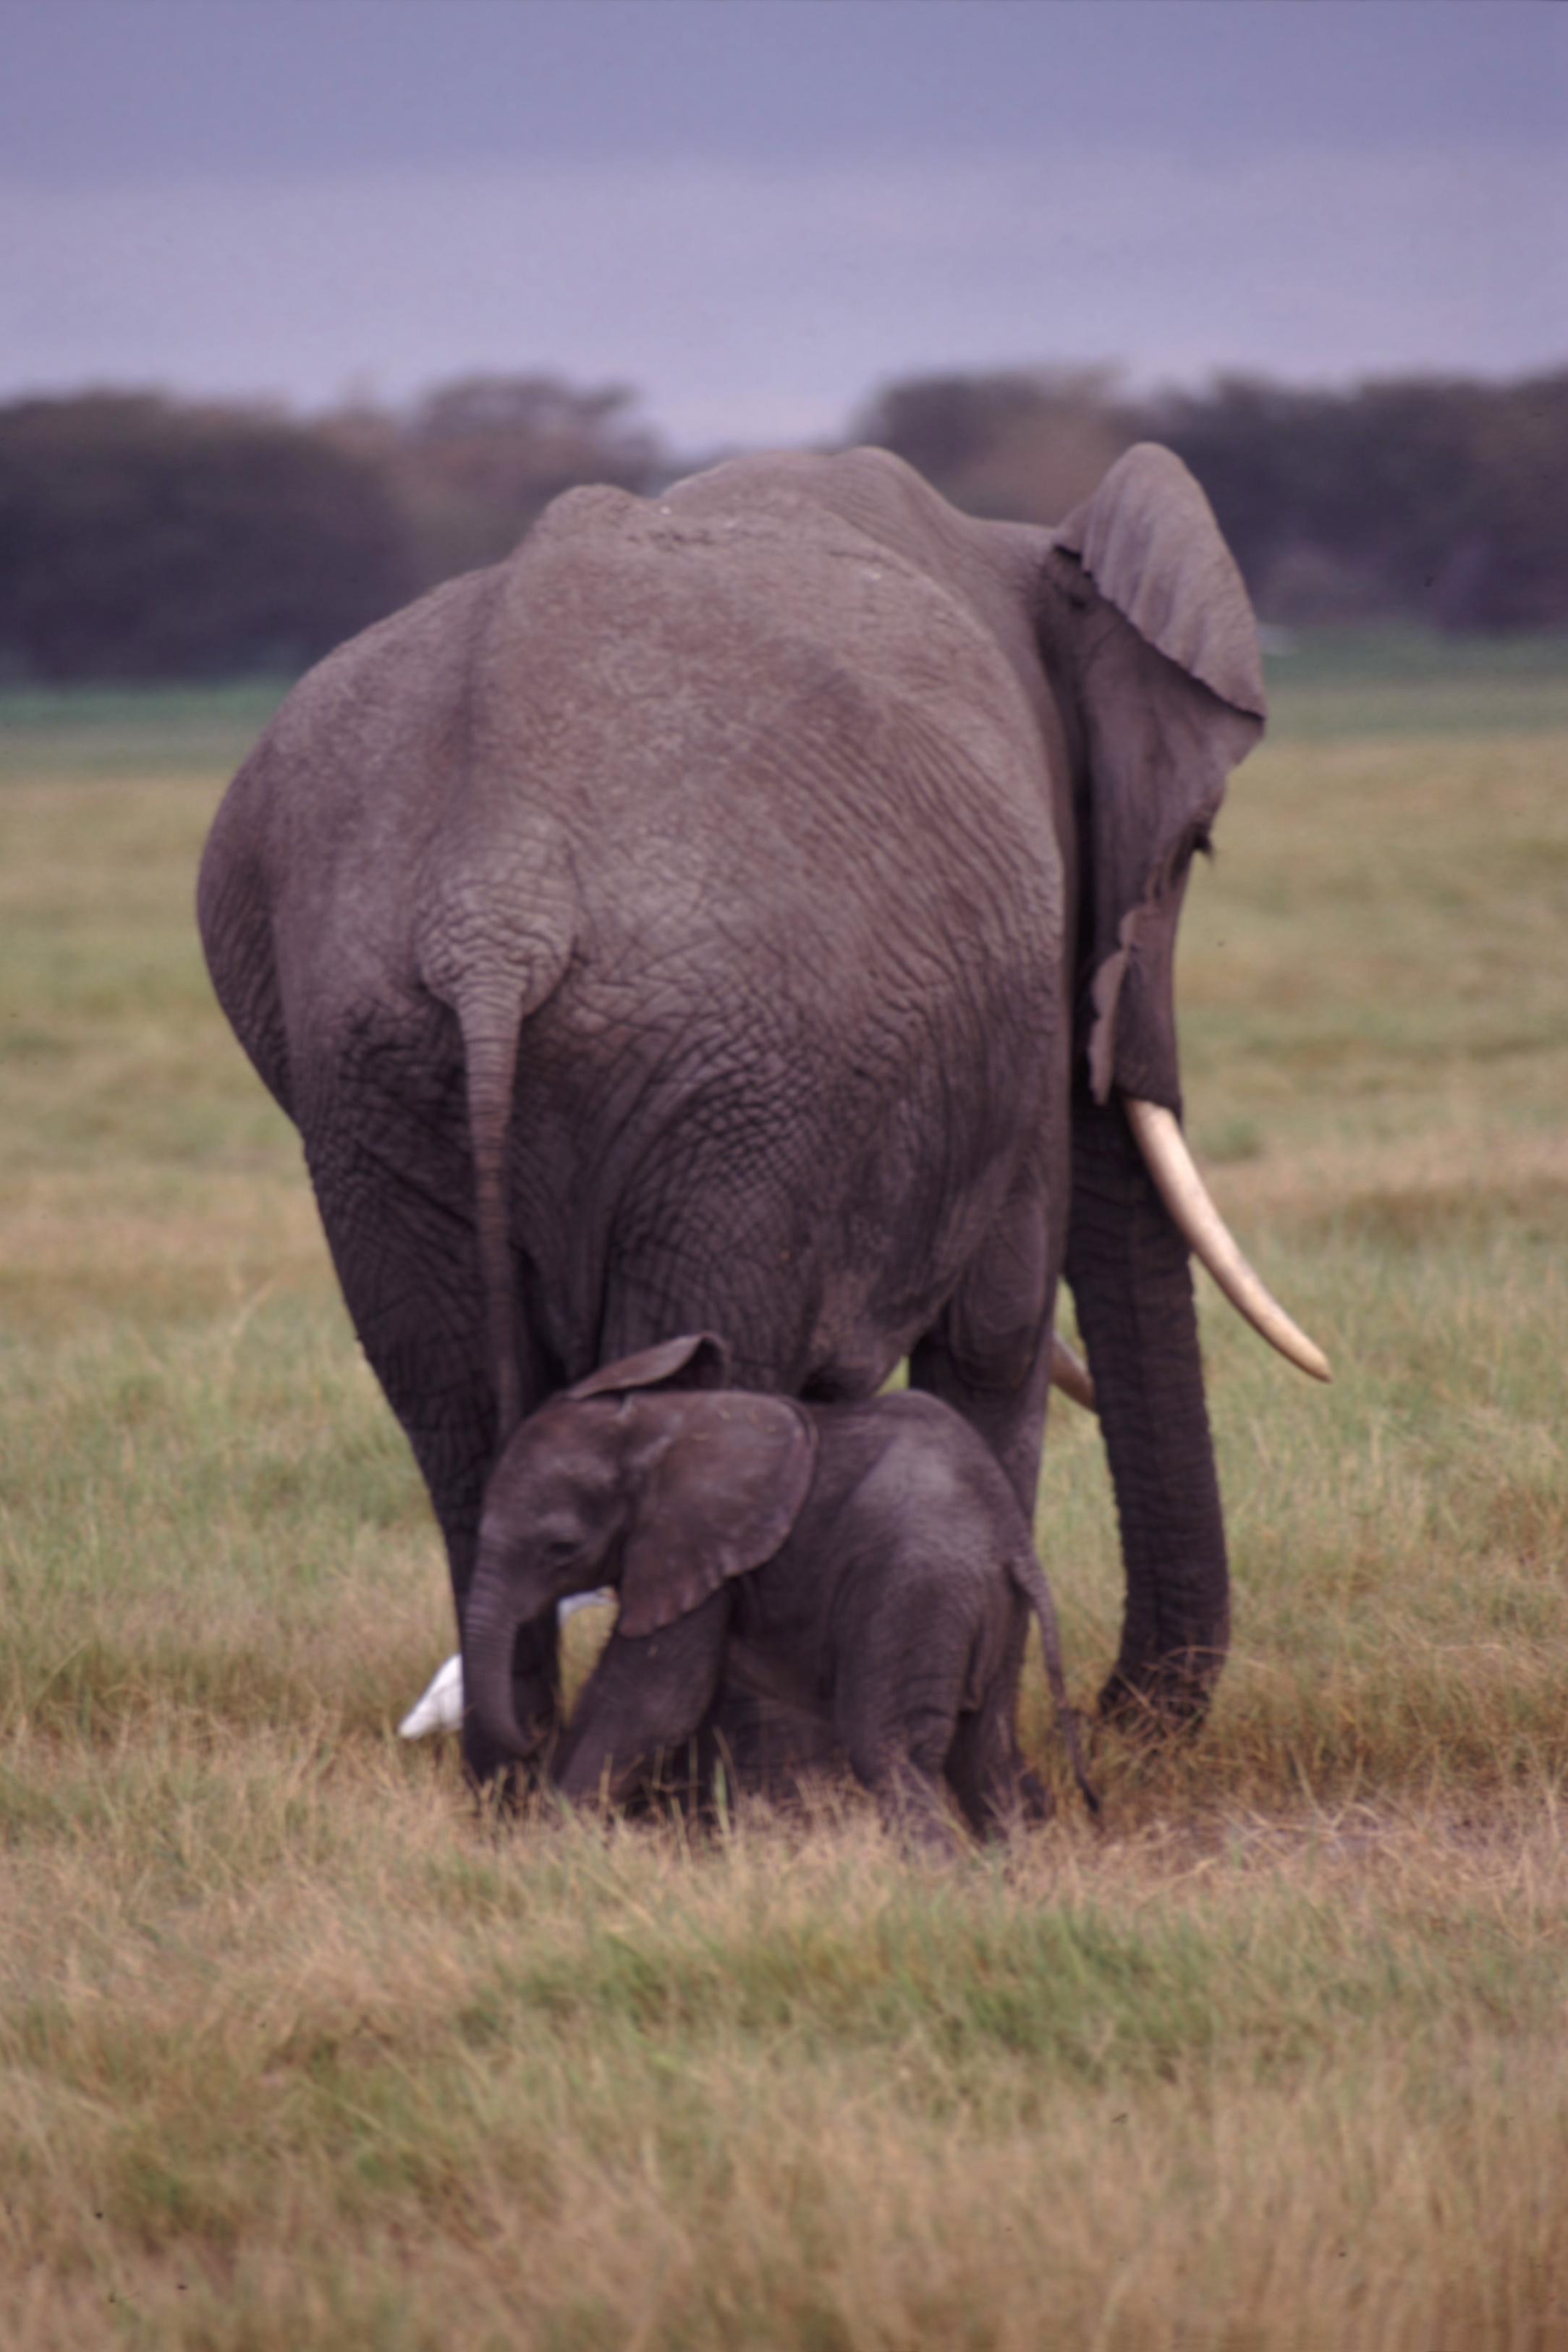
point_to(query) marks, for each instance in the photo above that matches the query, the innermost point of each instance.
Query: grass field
(295, 2051)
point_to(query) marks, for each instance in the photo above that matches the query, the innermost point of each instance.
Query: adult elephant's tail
(496, 938)
(490, 1036)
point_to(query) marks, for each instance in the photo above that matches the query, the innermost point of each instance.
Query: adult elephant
(752, 910)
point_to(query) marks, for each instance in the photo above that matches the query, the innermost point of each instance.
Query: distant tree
(140, 538)
(1511, 571)
(475, 461)
(143, 538)
(1432, 498)
(1026, 445)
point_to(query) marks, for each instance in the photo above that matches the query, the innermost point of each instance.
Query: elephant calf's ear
(725, 1479)
(696, 1360)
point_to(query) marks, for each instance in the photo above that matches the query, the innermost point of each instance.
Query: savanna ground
(297, 2051)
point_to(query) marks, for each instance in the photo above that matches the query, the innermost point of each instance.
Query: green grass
(1344, 685)
(118, 731)
(298, 2049)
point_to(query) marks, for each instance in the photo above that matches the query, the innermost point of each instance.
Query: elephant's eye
(557, 1547)
(1202, 842)
(552, 1540)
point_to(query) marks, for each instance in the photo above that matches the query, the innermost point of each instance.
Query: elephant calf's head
(643, 1476)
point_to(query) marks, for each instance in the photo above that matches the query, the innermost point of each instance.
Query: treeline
(145, 537)
(1426, 500)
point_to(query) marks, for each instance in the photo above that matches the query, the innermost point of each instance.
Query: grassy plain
(295, 2051)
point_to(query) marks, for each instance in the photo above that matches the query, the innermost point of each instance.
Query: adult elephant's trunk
(1132, 1284)
(491, 1618)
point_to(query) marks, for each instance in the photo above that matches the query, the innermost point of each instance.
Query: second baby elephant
(797, 1583)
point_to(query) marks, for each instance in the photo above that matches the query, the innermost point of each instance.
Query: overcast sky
(756, 210)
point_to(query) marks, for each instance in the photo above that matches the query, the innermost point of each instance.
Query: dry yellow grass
(316, 2060)
(296, 2050)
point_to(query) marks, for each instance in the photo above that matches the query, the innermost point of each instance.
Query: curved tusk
(1170, 1163)
(1069, 1373)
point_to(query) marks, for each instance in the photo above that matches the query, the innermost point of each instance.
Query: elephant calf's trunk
(489, 1637)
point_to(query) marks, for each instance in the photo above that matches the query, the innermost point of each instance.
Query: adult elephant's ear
(1148, 632)
(723, 1478)
(1148, 539)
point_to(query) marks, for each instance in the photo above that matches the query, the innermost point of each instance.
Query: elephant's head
(649, 1476)
(1149, 644)
(1149, 641)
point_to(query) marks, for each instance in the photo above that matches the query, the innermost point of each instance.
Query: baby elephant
(797, 1583)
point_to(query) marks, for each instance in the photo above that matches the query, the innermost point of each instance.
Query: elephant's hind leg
(913, 1806)
(408, 1266)
(989, 1354)
(994, 1786)
(895, 1706)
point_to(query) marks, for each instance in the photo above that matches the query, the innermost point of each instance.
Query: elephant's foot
(1166, 1698)
(914, 1813)
(505, 1780)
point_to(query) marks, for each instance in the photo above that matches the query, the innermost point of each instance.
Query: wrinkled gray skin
(742, 912)
(801, 1586)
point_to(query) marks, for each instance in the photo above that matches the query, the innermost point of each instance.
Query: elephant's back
(749, 720)
(744, 611)
(811, 800)
(766, 720)
(806, 1026)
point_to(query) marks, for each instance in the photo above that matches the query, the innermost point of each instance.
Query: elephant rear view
(749, 911)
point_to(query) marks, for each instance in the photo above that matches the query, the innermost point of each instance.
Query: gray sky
(756, 210)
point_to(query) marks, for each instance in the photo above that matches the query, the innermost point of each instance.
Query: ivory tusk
(1170, 1163)
(1069, 1373)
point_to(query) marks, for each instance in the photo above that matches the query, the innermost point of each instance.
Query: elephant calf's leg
(644, 1699)
(995, 1788)
(896, 1725)
(912, 1809)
